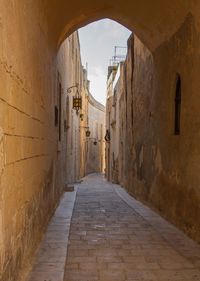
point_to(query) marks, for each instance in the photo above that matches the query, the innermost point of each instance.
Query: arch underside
(153, 21)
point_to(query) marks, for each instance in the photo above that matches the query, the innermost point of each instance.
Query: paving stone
(114, 237)
(81, 275)
(112, 275)
(47, 276)
(50, 258)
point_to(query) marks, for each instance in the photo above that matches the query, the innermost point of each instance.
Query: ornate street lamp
(107, 136)
(77, 100)
(87, 133)
(81, 116)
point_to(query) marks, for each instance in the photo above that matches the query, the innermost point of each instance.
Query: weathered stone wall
(114, 147)
(138, 94)
(70, 72)
(29, 183)
(175, 178)
(110, 124)
(159, 167)
(77, 153)
(84, 126)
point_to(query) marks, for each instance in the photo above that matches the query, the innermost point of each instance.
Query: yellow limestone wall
(159, 167)
(29, 181)
(69, 70)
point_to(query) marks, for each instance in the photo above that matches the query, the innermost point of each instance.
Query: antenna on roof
(118, 56)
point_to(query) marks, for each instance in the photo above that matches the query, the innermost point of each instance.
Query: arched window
(177, 119)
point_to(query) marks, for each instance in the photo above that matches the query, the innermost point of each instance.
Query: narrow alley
(113, 237)
(99, 140)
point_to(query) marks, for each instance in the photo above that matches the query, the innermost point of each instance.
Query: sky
(97, 41)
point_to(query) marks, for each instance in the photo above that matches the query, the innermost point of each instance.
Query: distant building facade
(114, 147)
(81, 146)
(96, 144)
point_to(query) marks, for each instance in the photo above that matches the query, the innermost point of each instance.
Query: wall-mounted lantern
(56, 116)
(87, 133)
(77, 100)
(107, 136)
(81, 116)
(77, 103)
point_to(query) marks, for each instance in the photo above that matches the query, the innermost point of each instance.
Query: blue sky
(97, 41)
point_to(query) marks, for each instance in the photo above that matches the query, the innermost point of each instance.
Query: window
(67, 112)
(56, 116)
(60, 109)
(177, 116)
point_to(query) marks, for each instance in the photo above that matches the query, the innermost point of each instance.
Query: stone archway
(153, 22)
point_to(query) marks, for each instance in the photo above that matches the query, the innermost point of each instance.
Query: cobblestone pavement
(109, 240)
